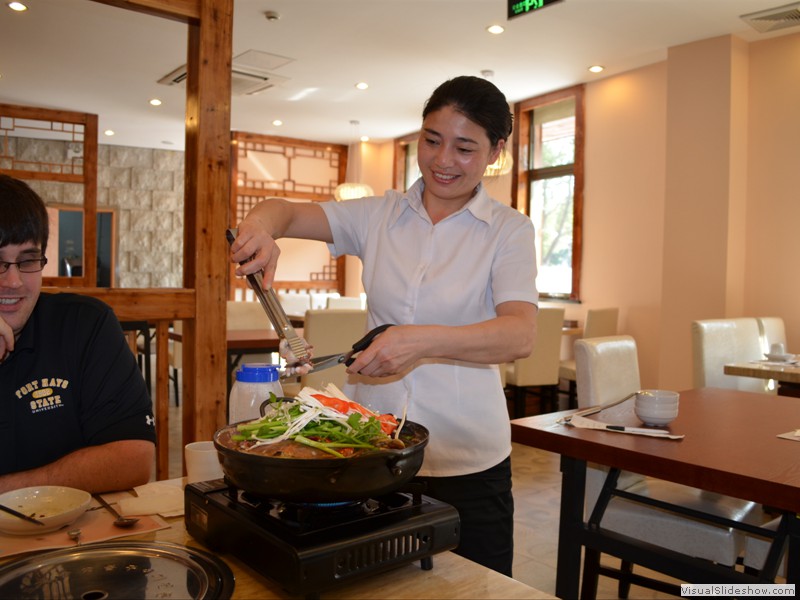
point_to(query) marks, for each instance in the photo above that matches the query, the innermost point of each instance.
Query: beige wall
(624, 205)
(773, 208)
(691, 203)
(690, 195)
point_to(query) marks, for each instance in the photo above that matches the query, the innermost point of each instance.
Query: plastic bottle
(254, 382)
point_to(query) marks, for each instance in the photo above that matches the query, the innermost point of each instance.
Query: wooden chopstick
(20, 515)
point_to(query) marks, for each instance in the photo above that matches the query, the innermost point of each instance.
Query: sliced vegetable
(334, 425)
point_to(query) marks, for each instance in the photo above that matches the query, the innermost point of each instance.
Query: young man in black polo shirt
(74, 408)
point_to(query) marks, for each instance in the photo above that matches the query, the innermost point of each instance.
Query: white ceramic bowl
(780, 357)
(657, 397)
(657, 404)
(656, 416)
(53, 505)
(667, 404)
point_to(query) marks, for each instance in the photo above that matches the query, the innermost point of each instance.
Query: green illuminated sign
(522, 7)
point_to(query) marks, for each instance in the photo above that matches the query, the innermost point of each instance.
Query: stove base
(308, 558)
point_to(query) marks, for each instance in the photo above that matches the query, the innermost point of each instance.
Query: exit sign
(522, 7)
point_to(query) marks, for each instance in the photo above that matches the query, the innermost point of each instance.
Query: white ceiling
(88, 57)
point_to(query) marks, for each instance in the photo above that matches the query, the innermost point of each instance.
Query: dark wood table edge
(574, 534)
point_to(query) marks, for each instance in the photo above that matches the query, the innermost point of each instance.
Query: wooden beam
(179, 10)
(208, 189)
(140, 304)
(90, 201)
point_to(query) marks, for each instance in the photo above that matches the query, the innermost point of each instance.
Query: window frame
(524, 175)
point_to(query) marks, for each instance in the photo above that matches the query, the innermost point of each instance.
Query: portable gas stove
(308, 548)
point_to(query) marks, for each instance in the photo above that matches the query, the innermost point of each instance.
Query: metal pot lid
(118, 570)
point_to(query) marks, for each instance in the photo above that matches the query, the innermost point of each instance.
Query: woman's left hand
(392, 352)
(508, 336)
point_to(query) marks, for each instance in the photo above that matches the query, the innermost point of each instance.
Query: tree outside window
(549, 187)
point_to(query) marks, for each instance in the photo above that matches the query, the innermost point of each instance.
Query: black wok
(324, 479)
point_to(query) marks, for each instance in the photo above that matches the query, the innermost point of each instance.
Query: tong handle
(364, 342)
(272, 306)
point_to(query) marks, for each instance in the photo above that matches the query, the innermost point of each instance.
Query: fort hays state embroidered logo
(43, 394)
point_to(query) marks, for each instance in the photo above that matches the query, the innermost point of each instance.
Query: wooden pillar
(207, 196)
(207, 188)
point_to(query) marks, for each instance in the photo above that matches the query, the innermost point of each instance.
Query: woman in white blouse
(455, 271)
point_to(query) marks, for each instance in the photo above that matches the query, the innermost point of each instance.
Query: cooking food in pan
(317, 425)
(299, 463)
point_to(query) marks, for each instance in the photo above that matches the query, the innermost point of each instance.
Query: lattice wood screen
(66, 155)
(267, 166)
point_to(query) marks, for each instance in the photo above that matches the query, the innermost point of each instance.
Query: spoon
(75, 536)
(596, 409)
(120, 521)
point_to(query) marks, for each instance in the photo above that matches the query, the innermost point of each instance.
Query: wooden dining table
(241, 342)
(730, 446)
(786, 374)
(451, 577)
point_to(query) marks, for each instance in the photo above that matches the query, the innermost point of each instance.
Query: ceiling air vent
(774, 18)
(248, 73)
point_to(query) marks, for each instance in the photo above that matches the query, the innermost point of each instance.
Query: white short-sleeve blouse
(452, 273)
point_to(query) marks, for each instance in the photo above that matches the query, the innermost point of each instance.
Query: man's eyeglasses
(30, 265)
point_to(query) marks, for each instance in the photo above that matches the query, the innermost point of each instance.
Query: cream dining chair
(351, 302)
(539, 370)
(716, 342)
(756, 553)
(771, 330)
(332, 332)
(295, 304)
(600, 322)
(175, 356)
(608, 370)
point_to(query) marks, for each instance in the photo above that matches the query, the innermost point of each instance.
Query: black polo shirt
(71, 382)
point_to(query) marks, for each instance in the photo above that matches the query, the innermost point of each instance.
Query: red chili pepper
(388, 422)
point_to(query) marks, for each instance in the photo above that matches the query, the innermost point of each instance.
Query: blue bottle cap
(257, 373)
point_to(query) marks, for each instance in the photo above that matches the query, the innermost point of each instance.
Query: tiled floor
(537, 490)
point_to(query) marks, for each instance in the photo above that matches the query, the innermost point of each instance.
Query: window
(406, 169)
(549, 150)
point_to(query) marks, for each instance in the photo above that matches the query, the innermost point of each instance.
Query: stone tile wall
(144, 186)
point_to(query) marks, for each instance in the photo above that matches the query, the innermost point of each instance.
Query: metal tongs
(272, 306)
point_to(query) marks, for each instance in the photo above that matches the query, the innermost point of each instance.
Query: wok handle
(395, 469)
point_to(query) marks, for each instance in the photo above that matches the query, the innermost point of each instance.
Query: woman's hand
(256, 249)
(393, 351)
(272, 219)
(504, 338)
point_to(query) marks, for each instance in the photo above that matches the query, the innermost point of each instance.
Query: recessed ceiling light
(361, 85)
(596, 68)
(17, 6)
(495, 29)
(109, 132)
(155, 102)
(364, 138)
(277, 122)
